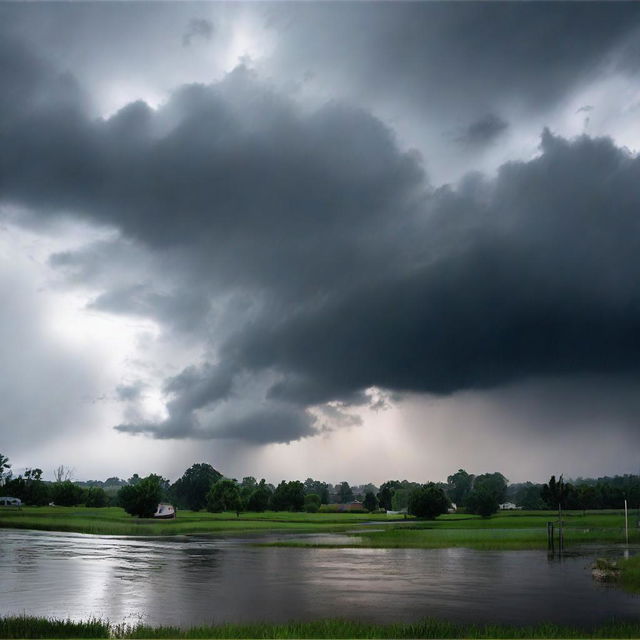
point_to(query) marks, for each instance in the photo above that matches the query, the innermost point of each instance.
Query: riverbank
(115, 521)
(503, 531)
(28, 627)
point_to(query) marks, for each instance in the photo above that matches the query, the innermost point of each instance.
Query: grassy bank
(517, 530)
(114, 521)
(25, 627)
(506, 530)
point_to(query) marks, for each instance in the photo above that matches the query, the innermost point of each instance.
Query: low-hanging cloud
(329, 262)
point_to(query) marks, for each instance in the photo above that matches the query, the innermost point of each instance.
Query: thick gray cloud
(442, 55)
(197, 28)
(483, 131)
(316, 259)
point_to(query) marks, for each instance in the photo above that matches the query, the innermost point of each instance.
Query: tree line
(203, 487)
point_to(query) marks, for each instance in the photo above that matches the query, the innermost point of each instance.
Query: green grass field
(114, 521)
(26, 627)
(505, 530)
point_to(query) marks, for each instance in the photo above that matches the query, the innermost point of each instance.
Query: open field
(505, 530)
(114, 521)
(26, 627)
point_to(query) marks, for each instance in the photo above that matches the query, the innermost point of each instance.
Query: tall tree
(224, 495)
(557, 493)
(141, 499)
(319, 488)
(489, 491)
(370, 502)
(345, 493)
(459, 486)
(260, 497)
(428, 501)
(36, 491)
(288, 496)
(192, 488)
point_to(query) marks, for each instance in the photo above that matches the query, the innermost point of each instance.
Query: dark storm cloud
(198, 389)
(269, 424)
(540, 279)
(184, 310)
(357, 272)
(197, 28)
(483, 131)
(441, 55)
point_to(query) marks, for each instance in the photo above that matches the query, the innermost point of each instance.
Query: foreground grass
(26, 627)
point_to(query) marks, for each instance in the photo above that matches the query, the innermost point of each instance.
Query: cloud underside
(314, 259)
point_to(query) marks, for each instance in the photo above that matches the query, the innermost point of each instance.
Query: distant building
(508, 506)
(7, 501)
(453, 508)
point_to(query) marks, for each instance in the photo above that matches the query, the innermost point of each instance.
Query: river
(197, 580)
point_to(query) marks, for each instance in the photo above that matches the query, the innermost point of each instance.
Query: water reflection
(198, 580)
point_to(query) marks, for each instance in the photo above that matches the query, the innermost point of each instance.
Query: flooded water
(198, 580)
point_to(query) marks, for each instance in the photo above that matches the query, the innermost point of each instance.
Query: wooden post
(550, 537)
(560, 533)
(626, 521)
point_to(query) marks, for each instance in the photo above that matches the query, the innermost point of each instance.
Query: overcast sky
(348, 241)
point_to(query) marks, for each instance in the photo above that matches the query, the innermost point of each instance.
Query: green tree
(489, 491)
(558, 493)
(141, 499)
(192, 488)
(311, 502)
(66, 494)
(527, 496)
(96, 497)
(495, 483)
(400, 500)
(459, 486)
(370, 502)
(428, 501)
(482, 502)
(224, 495)
(288, 496)
(345, 493)
(385, 496)
(36, 492)
(319, 488)
(260, 497)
